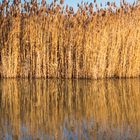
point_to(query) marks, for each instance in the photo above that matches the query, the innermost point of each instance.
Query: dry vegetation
(60, 109)
(41, 40)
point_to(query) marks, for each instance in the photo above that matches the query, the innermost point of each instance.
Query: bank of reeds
(41, 40)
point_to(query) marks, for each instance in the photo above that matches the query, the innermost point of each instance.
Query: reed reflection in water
(69, 110)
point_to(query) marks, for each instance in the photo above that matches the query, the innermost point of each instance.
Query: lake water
(70, 109)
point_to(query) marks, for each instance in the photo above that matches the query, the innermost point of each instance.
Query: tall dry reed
(54, 41)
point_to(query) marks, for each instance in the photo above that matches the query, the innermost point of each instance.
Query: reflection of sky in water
(79, 130)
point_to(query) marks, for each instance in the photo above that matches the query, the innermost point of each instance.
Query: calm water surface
(69, 110)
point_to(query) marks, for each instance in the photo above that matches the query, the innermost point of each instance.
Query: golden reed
(41, 40)
(109, 109)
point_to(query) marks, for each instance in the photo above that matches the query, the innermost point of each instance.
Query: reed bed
(53, 40)
(57, 109)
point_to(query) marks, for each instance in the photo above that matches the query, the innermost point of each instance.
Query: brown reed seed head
(43, 2)
(61, 1)
(67, 8)
(108, 3)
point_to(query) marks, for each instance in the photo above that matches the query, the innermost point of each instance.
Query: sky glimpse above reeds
(74, 2)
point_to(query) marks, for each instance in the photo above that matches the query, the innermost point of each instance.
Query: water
(70, 110)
